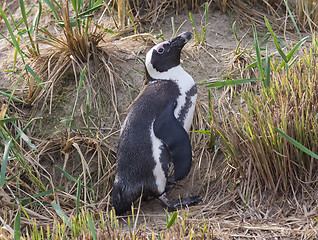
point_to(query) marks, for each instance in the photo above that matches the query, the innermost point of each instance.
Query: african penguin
(154, 133)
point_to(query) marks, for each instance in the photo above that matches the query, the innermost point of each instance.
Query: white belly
(157, 171)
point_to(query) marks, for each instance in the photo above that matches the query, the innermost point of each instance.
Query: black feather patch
(169, 130)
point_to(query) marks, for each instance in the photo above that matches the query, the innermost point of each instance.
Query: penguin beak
(180, 40)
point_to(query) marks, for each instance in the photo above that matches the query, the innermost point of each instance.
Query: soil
(211, 60)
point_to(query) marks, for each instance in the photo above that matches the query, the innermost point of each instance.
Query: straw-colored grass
(46, 182)
(252, 12)
(307, 12)
(262, 159)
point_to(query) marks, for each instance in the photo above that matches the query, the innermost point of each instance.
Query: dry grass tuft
(261, 159)
(308, 13)
(77, 47)
(154, 12)
(253, 12)
(53, 173)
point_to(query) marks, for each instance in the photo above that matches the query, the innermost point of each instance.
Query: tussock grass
(252, 12)
(146, 11)
(264, 159)
(75, 48)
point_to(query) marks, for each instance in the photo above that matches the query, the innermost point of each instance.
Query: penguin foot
(173, 205)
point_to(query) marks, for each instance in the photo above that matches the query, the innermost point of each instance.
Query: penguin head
(165, 55)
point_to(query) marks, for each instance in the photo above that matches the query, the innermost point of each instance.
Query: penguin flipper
(169, 130)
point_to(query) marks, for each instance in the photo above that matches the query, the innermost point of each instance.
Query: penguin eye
(161, 50)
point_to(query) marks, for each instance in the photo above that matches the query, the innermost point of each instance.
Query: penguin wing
(169, 130)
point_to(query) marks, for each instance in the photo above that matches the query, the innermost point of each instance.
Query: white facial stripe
(157, 171)
(160, 45)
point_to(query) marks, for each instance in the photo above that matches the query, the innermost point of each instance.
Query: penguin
(154, 135)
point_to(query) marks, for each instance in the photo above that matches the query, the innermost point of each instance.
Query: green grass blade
(206, 11)
(35, 25)
(4, 162)
(193, 27)
(167, 217)
(297, 144)
(52, 7)
(80, 5)
(172, 220)
(42, 194)
(234, 31)
(292, 18)
(231, 82)
(74, 5)
(76, 99)
(25, 20)
(91, 226)
(78, 195)
(279, 49)
(301, 42)
(98, 2)
(17, 226)
(66, 174)
(61, 214)
(173, 27)
(90, 3)
(13, 98)
(254, 64)
(179, 28)
(8, 120)
(37, 79)
(89, 11)
(28, 124)
(16, 25)
(24, 137)
(267, 70)
(36, 19)
(203, 131)
(24, 17)
(47, 39)
(293, 61)
(204, 232)
(258, 54)
(87, 106)
(14, 40)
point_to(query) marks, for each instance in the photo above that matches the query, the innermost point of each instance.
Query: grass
(199, 35)
(263, 158)
(59, 188)
(106, 226)
(308, 14)
(305, 13)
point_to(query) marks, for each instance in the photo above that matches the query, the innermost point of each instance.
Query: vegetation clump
(263, 157)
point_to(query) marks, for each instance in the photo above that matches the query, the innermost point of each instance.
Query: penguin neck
(176, 74)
